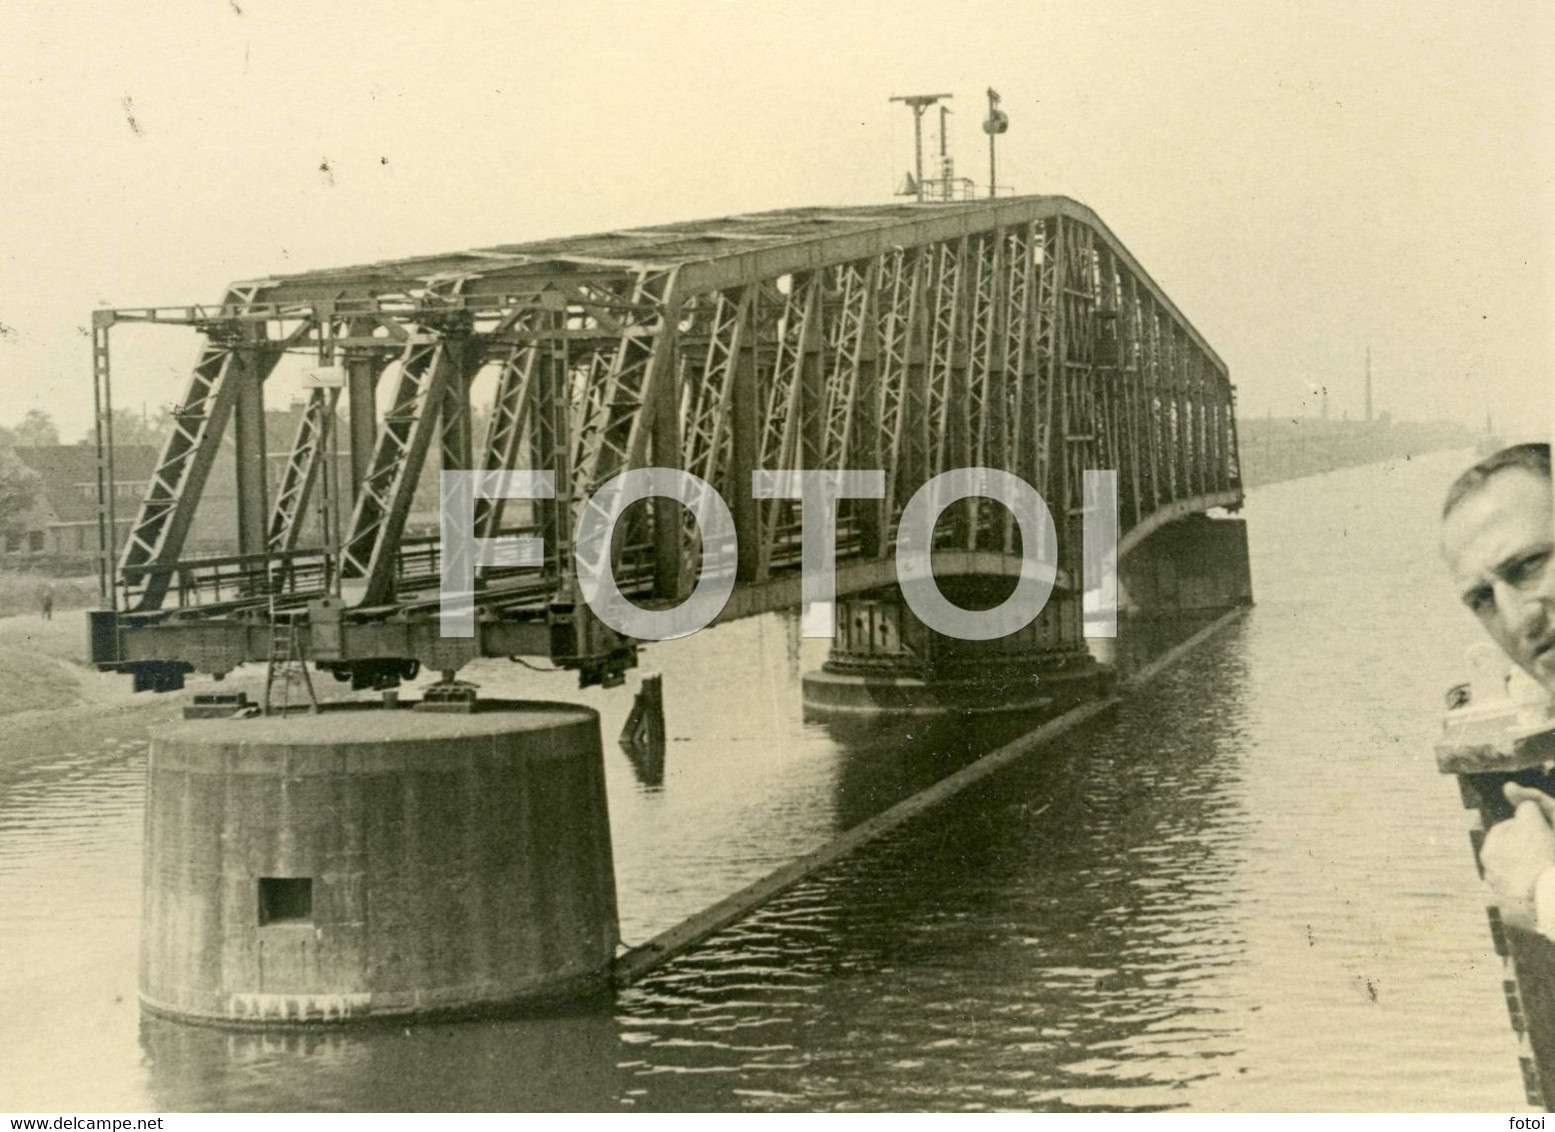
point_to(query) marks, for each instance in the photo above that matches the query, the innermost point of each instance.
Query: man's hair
(1533, 458)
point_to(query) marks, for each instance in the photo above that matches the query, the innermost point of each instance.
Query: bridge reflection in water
(565, 1062)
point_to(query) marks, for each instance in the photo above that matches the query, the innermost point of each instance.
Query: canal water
(1248, 888)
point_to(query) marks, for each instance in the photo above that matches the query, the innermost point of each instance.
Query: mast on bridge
(995, 124)
(918, 103)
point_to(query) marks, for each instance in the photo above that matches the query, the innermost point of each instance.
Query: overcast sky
(1302, 178)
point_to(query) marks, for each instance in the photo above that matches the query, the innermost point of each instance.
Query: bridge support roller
(366, 864)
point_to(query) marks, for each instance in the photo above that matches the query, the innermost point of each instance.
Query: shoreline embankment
(1273, 449)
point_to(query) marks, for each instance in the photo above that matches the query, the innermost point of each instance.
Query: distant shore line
(1275, 449)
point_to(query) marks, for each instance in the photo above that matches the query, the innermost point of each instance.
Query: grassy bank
(43, 663)
(20, 592)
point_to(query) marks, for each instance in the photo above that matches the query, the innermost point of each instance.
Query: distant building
(62, 522)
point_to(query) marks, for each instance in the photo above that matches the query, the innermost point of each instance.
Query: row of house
(60, 529)
(62, 522)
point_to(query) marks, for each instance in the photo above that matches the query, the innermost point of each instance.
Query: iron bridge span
(1017, 334)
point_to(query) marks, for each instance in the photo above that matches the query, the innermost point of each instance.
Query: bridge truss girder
(1017, 334)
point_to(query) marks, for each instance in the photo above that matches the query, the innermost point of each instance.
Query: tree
(18, 489)
(36, 430)
(130, 428)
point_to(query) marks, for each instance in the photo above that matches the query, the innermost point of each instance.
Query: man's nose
(1528, 611)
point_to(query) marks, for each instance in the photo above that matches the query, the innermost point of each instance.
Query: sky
(1305, 179)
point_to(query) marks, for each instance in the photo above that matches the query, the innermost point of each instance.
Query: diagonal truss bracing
(904, 409)
(780, 434)
(707, 440)
(622, 395)
(851, 335)
(234, 353)
(384, 496)
(511, 410)
(302, 469)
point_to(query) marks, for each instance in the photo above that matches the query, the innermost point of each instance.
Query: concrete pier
(885, 661)
(1197, 564)
(1187, 571)
(366, 864)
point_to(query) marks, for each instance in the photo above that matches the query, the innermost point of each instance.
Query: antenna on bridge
(994, 125)
(947, 163)
(918, 103)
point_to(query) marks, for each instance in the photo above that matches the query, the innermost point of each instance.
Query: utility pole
(994, 125)
(1368, 384)
(918, 103)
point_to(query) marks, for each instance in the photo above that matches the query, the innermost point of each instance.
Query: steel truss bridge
(1016, 334)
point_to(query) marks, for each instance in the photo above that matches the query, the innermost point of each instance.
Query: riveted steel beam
(230, 360)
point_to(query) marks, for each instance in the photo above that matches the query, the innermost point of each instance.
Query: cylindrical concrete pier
(884, 661)
(363, 864)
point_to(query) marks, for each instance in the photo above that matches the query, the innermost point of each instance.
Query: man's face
(1500, 550)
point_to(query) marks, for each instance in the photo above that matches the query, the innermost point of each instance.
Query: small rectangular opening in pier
(285, 900)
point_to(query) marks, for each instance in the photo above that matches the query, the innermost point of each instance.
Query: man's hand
(1517, 851)
(1517, 795)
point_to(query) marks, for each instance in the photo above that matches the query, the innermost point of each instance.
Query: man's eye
(1480, 602)
(1528, 567)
